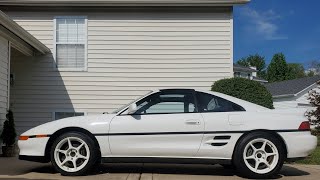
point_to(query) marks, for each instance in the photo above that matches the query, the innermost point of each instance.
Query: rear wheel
(259, 155)
(73, 154)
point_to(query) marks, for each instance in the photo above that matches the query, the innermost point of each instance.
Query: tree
(313, 115)
(245, 89)
(256, 61)
(8, 134)
(310, 74)
(295, 71)
(277, 69)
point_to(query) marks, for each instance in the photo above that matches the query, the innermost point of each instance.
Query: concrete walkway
(12, 168)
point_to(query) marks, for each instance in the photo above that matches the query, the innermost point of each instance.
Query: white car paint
(121, 135)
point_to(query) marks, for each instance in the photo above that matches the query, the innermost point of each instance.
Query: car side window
(167, 103)
(211, 103)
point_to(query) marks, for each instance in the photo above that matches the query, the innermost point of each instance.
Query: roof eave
(123, 2)
(283, 96)
(13, 27)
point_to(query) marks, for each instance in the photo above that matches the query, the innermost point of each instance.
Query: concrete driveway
(12, 168)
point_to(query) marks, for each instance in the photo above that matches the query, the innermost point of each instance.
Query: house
(247, 72)
(62, 58)
(292, 93)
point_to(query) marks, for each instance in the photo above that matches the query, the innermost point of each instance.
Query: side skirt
(164, 160)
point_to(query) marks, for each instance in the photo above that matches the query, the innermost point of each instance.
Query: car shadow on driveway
(14, 167)
(181, 169)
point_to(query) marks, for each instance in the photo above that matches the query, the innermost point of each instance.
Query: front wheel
(73, 154)
(259, 155)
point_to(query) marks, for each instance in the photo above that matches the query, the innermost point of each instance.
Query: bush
(245, 89)
(313, 114)
(9, 134)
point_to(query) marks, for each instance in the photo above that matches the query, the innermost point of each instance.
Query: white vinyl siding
(129, 54)
(4, 83)
(70, 42)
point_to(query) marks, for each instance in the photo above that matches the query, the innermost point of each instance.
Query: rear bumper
(299, 144)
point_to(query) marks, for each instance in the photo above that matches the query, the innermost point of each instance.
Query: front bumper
(299, 144)
(33, 146)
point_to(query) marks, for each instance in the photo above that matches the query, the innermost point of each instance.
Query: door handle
(193, 122)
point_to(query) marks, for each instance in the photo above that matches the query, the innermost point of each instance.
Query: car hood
(93, 124)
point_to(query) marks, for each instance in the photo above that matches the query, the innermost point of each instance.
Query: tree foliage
(295, 71)
(9, 134)
(314, 114)
(277, 69)
(256, 61)
(245, 89)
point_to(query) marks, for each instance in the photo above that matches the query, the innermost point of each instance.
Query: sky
(267, 27)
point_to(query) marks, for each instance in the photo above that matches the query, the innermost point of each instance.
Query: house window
(61, 115)
(71, 43)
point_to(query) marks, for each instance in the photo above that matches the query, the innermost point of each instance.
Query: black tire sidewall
(92, 159)
(239, 161)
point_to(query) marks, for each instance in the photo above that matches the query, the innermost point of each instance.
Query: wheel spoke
(80, 146)
(64, 161)
(61, 151)
(271, 154)
(250, 157)
(69, 143)
(74, 164)
(254, 148)
(263, 147)
(80, 156)
(256, 166)
(267, 163)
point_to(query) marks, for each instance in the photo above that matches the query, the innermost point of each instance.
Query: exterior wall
(129, 53)
(4, 67)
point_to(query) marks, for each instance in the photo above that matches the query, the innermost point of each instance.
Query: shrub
(245, 89)
(313, 114)
(9, 134)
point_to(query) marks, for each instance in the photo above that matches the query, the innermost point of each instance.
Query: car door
(220, 135)
(166, 124)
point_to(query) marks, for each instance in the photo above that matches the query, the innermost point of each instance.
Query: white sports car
(174, 126)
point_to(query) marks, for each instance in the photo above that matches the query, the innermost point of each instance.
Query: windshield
(126, 105)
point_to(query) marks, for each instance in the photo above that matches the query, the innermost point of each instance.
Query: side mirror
(132, 108)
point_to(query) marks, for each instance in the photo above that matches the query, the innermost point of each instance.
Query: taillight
(304, 126)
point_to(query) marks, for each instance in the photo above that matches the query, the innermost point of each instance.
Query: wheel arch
(58, 133)
(274, 133)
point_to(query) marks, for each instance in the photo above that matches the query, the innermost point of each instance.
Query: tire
(83, 154)
(253, 161)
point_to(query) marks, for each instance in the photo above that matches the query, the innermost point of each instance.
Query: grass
(314, 158)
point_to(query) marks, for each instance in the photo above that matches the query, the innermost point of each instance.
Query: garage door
(4, 66)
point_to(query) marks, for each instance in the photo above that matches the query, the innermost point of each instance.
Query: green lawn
(314, 157)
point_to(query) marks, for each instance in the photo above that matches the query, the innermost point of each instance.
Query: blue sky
(267, 27)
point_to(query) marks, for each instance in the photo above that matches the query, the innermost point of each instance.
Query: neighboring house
(247, 72)
(87, 57)
(292, 93)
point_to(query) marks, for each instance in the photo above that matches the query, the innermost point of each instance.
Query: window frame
(55, 65)
(66, 111)
(192, 91)
(201, 111)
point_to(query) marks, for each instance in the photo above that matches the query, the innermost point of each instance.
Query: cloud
(262, 23)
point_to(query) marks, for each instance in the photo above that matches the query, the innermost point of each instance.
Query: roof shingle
(291, 87)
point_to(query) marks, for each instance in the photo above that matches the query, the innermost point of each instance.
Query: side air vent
(222, 137)
(218, 144)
